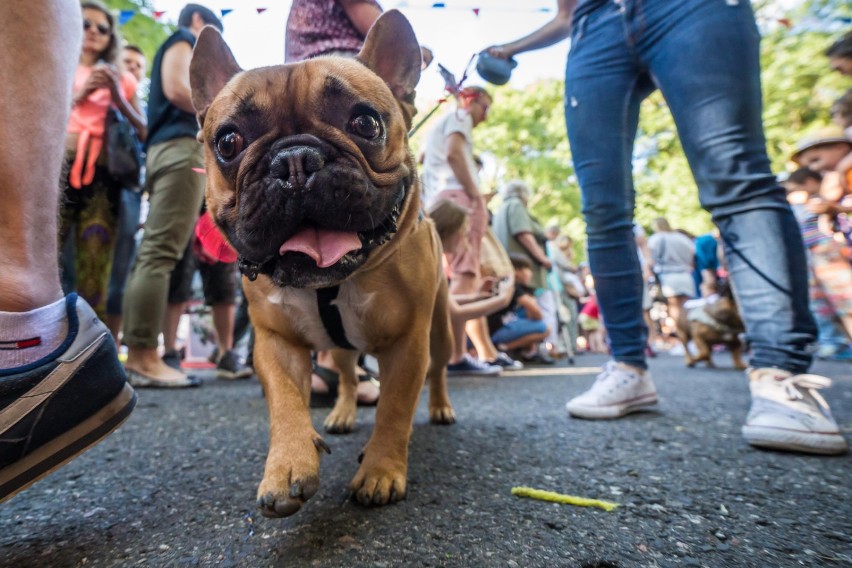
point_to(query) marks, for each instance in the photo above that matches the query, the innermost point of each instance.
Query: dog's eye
(229, 145)
(365, 126)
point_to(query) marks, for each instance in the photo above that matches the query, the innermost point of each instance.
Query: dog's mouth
(315, 256)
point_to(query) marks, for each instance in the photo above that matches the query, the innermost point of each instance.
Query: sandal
(332, 380)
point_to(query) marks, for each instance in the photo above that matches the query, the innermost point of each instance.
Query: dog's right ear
(211, 68)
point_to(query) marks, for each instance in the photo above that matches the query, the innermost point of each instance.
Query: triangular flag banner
(125, 16)
(158, 14)
(226, 11)
(476, 11)
(785, 22)
(261, 10)
(439, 5)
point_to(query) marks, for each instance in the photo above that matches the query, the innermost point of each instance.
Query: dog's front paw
(379, 484)
(341, 420)
(288, 483)
(443, 414)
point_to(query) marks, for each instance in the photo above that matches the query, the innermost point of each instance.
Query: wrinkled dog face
(308, 165)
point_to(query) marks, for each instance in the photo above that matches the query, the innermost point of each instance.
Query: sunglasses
(103, 29)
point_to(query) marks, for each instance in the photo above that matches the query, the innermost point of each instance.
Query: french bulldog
(716, 323)
(311, 180)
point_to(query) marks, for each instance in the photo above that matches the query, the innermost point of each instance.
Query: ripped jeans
(703, 55)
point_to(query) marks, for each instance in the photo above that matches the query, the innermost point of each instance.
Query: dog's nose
(296, 163)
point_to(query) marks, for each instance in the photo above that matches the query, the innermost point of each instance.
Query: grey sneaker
(508, 364)
(617, 391)
(787, 413)
(470, 366)
(229, 367)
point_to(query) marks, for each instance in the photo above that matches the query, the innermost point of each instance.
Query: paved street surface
(175, 486)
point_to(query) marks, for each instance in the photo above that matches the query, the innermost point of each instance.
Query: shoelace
(793, 385)
(610, 368)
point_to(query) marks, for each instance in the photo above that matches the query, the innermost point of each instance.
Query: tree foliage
(142, 30)
(525, 132)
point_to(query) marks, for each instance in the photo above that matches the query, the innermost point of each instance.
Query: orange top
(88, 120)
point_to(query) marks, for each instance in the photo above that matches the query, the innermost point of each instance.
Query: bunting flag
(261, 10)
(125, 16)
(226, 11)
(476, 11)
(158, 14)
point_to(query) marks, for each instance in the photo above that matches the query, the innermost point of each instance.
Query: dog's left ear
(392, 52)
(212, 66)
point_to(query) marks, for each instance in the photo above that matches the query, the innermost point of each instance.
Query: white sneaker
(788, 414)
(617, 391)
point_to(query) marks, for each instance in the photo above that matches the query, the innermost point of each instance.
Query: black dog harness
(330, 316)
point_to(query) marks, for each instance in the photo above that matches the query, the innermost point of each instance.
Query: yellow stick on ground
(562, 498)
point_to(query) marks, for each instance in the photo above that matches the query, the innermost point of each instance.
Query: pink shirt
(88, 119)
(315, 27)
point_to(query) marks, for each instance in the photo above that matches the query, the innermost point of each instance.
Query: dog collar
(330, 316)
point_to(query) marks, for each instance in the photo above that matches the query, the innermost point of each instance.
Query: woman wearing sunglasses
(92, 196)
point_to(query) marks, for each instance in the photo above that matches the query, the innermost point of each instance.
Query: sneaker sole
(611, 411)
(59, 451)
(232, 376)
(794, 441)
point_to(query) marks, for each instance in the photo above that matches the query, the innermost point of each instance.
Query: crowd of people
(517, 295)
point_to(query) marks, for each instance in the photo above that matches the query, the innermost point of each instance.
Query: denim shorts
(517, 329)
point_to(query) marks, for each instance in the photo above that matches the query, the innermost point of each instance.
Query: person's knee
(604, 217)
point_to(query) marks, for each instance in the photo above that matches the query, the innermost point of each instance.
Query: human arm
(645, 252)
(530, 306)
(130, 108)
(527, 240)
(480, 308)
(457, 160)
(361, 13)
(490, 287)
(550, 33)
(175, 76)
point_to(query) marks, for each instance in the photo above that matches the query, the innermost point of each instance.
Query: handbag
(124, 151)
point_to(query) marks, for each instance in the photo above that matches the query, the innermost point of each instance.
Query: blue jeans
(703, 56)
(125, 248)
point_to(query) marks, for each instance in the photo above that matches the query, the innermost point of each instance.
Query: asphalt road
(175, 486)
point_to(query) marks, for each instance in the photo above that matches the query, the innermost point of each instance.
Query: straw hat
(827, 135)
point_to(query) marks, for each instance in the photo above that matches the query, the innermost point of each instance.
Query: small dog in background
(715, 323)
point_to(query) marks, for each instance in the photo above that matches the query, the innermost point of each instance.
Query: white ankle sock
(26, 337)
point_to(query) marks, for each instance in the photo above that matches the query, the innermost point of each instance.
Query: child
(451, 221)
(803, 194)
(520, 326)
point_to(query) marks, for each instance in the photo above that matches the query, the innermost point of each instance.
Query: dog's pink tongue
(324, 246)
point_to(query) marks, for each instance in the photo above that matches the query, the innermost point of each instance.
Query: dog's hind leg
(705, 350)
(341, 420)
(440, 350)
(736, 354)
(381, 477)
(291, 476)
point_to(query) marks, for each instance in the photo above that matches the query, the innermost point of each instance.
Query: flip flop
(332, 381)
(140, 380)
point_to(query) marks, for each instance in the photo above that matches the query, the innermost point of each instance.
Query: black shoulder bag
(124, 151)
